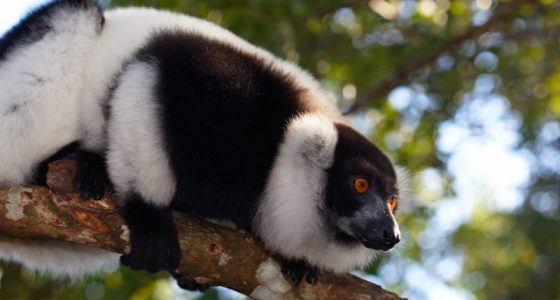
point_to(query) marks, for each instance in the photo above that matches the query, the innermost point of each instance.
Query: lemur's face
(362, 194)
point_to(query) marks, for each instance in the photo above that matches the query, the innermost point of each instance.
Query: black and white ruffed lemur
(186, 116)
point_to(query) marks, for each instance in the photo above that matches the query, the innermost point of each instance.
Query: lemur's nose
(390, 239)
(379, 234)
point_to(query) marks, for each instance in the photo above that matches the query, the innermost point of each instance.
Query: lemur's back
(125, 32)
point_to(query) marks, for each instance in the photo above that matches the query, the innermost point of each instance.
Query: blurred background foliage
(465, 94)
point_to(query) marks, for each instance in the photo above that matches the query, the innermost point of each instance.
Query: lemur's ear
(312, 138)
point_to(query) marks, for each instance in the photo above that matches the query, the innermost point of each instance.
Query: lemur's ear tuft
(403, 183)
(312, 137)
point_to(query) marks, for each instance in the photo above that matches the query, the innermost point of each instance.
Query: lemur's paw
(91, 180)
(296, 269)
(312, 275)
(188, 283)
(153, 253)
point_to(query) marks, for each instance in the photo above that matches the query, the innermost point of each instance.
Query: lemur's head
(361, 193)
(330, 197)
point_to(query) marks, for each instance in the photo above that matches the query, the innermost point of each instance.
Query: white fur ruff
(289, 219)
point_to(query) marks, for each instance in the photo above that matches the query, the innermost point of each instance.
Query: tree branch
(503, 12)
(212, 254)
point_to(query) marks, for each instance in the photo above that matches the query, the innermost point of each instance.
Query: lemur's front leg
(296, 269)
(153, 237)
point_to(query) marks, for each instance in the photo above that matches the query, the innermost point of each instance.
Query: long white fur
(136, 159)
(41, 85)
(289, 220)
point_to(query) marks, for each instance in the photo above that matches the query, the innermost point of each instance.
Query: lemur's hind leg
(91, 179)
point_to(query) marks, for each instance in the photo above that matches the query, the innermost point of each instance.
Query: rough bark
(212, 254)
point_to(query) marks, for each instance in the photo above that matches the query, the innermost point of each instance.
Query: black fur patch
(92, 179)
(36, 24)
(224, 114)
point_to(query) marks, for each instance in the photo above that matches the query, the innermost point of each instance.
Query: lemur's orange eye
(393, 203)
(361, 185)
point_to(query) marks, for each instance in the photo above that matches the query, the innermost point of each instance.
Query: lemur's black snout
(379, 235)
(390, 239)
